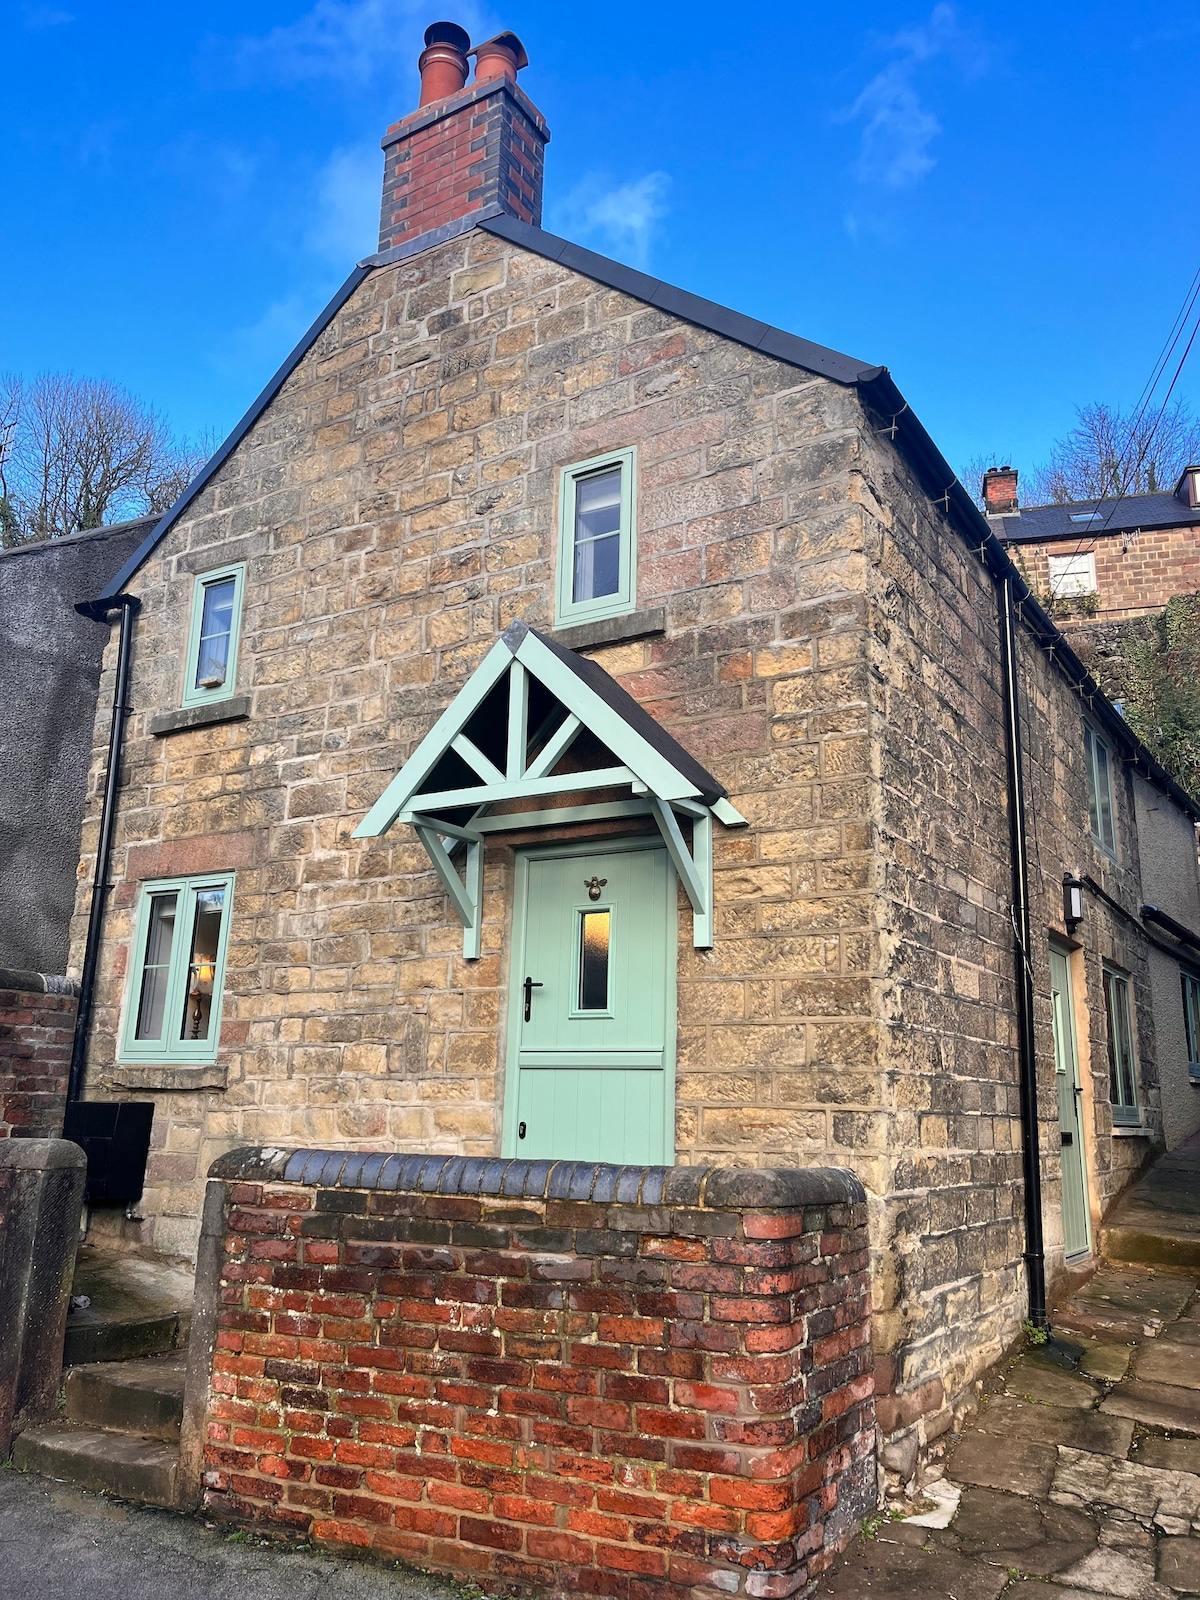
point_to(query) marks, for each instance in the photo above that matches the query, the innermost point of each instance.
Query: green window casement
(1191, 1023)
(1100, 792)
(173, 1001)
(216, 622)
(1122, 1061)
(597, 539)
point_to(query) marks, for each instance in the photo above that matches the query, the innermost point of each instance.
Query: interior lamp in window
(203, 973)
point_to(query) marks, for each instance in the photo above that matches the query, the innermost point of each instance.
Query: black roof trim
(943, 487)
(627, 708)
(218, 460)
(680, 303)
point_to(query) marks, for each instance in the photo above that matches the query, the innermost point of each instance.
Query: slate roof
(886, 407)
(1040, 524)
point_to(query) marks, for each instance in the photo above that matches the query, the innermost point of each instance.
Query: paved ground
(1076, 1483)
(65, 1544)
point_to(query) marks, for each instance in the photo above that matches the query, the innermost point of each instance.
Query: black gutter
(1175, 929)
(113, 592)
(99, 611)
(1034, 1253)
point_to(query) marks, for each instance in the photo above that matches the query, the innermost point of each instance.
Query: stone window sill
(235, 709)
(190, 1077)
(1128, 1130)
(613, 630)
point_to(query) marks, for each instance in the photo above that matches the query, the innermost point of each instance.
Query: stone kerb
(624, 1381)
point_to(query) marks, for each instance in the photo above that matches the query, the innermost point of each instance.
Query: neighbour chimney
(468, 146)
(1000, 491)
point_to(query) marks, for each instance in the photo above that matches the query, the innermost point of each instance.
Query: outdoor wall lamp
(1072, 901)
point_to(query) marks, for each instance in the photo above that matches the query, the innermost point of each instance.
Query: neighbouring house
(1102, 567)
(570, 719)
(52, 666)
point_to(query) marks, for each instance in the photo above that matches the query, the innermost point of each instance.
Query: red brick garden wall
(623, 1381)
(36, 1028)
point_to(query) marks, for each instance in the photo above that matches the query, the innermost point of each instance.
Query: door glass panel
(597, 535)
(206, 932)
(594, 927)
(156, 967)
(216, 628)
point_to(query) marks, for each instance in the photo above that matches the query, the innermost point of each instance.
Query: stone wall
(556, 1377)
(395, 508)
(953, 1235)
(37, 1026)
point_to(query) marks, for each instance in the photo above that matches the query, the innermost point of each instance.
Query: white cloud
(620, 218)
(344, 225)
(898, 128)
(350, 41)
(254, 352)
(38, 18)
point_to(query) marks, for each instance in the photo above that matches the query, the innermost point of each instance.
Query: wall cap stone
(721, 1188)
(37, 982)
(40, 1155)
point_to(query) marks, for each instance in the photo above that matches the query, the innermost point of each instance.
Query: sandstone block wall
(622, 1382)
(1135, 573)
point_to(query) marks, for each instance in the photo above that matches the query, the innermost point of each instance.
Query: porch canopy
(536, 724)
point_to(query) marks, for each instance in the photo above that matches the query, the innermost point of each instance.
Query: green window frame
(1122, 1058)
(593, 554)
(214, 632)
(176, 977)
(1191, 1022)
(1101, 814)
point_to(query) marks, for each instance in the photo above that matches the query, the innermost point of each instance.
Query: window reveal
(594, 934)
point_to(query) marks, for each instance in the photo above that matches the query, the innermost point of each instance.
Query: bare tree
(77, 452)
(1108, 453)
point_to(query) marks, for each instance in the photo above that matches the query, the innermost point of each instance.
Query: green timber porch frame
(663, 780)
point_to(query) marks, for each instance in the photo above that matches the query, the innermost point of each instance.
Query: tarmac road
(60, 1543)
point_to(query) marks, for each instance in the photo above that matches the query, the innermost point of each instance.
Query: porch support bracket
(465, 896)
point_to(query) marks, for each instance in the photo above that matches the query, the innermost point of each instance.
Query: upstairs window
(1072, 575)
(1122, 1062)
(213, 636)
(1098, 757)
(597, 547)
(173, 1009)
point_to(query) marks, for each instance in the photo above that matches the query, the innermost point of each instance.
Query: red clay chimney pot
(501, 57)
(443, 62)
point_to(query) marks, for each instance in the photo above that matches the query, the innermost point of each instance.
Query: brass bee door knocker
(593, 886)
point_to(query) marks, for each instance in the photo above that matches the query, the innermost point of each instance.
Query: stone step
(136, 1397)
(103, 1336)
(143, 1470)
(1150, 1245)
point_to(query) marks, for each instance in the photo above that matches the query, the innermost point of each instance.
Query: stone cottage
(569, 718)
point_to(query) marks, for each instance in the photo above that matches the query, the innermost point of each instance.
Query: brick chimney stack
(467, 146)
(1000, 491)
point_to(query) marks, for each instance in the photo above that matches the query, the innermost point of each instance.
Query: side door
(1077, 1227)
(592, 1007)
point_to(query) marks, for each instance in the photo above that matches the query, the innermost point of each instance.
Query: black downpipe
(129, 607)
(1034, 1253)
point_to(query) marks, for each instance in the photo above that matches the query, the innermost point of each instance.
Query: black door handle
(530, 986)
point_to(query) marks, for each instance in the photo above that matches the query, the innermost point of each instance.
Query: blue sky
(995, 200)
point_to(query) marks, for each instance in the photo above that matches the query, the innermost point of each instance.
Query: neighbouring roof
(110, 530)
(883, 400)
(1095, 519)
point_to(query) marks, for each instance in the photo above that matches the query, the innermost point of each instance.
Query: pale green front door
(592, 1007)
(1077, 1233)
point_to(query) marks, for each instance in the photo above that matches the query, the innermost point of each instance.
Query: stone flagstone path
(1077, 1482)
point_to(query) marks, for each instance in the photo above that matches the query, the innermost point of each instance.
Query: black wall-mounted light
(1072, 901)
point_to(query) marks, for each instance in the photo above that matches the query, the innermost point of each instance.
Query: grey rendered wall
(51, 659)
(1171, 882)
